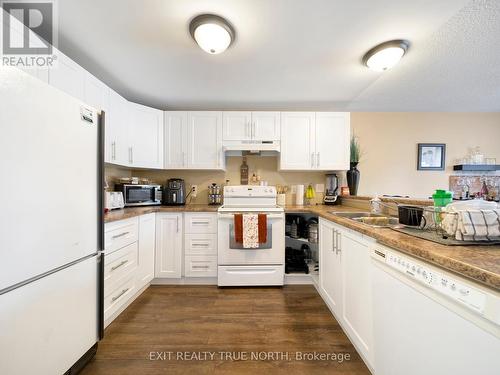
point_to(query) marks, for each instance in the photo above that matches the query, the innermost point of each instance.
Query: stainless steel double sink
(368, 218)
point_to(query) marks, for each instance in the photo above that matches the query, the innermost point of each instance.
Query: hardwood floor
(241, 321)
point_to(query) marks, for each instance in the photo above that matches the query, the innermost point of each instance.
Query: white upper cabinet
(146, 136)
(205, 140)
(332, 138)
(96, 93)
(67, 76)
(255, 126)
(266, 126)
(237, 126)
(117, 145)
(175, 139)
(314, 141)
(297, 140)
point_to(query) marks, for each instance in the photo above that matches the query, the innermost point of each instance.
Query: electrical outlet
(294, 189)
(320, 188)
(194, 190)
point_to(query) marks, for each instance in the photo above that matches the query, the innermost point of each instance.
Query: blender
(332, 187)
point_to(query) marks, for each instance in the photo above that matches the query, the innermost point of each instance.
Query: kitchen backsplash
(475, 183)
(264, 166)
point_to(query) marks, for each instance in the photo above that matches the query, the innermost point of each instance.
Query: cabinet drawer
(119, 265)
(200, 223)
(200, 244)
(119, 296)
(119, 234)
(200, 266)
(250, 275)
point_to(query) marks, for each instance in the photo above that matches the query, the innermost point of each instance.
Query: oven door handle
(269, 216)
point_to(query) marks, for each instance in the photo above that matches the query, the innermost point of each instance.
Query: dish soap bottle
(310, 194)
(244, 172)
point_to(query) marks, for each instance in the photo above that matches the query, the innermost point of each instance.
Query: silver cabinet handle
(183, 159)
(177, 224)
(200, 222)
(198, 244)
(334, 241)
(247, 130)
(339, 243)
(119, 295)
(201, 267)
(119, 265)
(253, 130)
(317, 160)
(312, 159)
(113, 150)
(132, 155)
(119, 235)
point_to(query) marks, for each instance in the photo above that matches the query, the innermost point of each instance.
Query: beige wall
(265, 166)
(389, 142)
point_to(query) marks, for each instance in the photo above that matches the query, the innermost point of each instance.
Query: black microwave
(140, 195)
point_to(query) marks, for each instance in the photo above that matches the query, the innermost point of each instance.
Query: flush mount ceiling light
(212, 33)
(385, 55)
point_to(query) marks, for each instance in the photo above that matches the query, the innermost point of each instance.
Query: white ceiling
(291, 54)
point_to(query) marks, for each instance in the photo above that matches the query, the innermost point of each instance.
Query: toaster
(113, 200)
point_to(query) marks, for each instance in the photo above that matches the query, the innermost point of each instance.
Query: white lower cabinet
(345, 283)
(147, 239)
(168, 259)
(357, 292)
(330, 274)
(129, 259)
(200, 244)
(200, 266)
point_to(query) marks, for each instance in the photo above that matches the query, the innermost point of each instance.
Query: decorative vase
(353, 179)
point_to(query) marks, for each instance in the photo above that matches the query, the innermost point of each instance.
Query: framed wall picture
(431, 156)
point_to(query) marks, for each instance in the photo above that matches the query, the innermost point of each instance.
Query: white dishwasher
(429, 321)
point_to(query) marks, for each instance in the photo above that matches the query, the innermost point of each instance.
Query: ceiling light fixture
(385, 55)
(212, 33)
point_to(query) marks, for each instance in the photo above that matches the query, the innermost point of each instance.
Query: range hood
(252, 146)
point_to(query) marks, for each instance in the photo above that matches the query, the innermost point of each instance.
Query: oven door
(270, 253)
(139, 195)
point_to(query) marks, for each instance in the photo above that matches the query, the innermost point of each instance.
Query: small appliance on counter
(214, 194)
(113, 200)
(174, 192)
(331, 191)
(140, 195)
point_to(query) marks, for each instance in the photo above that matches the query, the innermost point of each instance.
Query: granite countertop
(126, 213)
(478, 263)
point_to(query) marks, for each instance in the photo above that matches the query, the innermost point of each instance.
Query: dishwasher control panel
(452, 288)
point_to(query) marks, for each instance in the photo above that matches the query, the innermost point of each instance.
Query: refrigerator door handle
(100, 215)
(100, 296)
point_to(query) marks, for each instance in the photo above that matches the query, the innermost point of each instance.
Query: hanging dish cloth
(262, 228)
(250, 231)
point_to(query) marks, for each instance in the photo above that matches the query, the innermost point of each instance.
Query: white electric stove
(238, 266)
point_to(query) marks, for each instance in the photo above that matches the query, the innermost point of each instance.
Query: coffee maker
(331, 191)
(174, 192)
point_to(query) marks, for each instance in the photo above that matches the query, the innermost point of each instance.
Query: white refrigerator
(51, 227)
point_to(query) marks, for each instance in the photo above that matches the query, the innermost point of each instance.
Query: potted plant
(353, 173)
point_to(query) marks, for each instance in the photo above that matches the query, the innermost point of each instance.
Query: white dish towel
(250, 231)
(478, 225)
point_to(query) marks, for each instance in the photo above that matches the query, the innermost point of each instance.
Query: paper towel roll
(299, 197)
